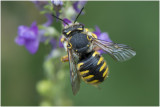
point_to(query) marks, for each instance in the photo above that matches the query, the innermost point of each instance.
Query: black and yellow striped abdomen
(93, 69)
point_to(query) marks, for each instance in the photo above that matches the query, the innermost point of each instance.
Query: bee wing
(119, 52)
(74, 76)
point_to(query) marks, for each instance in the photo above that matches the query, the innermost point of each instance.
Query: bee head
(72, 28)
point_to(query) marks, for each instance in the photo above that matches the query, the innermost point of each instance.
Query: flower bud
(44, 87)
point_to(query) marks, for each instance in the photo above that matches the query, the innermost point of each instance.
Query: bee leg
(63, 39)
(96, 48)
(64, 58)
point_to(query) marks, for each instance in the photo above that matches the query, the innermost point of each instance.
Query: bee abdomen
(93, 69)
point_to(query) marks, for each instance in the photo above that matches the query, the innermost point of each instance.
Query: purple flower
(49, 19)
(40, 4)
(67, 21)
(78, 5)
(102, 36)
(28, 36)
(60, 43)
(53, 43)
(57, 2)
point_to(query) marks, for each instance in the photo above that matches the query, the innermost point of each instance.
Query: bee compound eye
(64, 31)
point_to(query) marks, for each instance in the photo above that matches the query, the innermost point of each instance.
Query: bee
(85, 62)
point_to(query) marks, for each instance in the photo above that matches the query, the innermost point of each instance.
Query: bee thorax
(80, 43)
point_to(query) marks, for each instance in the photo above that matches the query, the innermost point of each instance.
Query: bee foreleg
(64, 42)
(96, 48)
(64, 58)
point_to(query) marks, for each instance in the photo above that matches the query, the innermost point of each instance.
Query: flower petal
(34, 28)
(57, 2)
(75, 6)
(32, 45)
(49, 20)
(60, 43)
(29, 37)
(53, 43)
(19, 40)
(67, 21)
(25, 32)
(21, 30)
(78, 5)
(101, 51)
(40, 4)
(104, 36)
(98, 31)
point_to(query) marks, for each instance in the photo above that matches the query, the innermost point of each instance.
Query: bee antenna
(78, 15)
(60, 19)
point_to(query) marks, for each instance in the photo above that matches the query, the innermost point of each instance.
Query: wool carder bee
(85, 62)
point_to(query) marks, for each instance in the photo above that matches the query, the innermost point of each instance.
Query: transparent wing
(74, 77)
(119, 52)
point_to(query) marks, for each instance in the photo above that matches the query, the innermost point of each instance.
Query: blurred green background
(131, 83)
